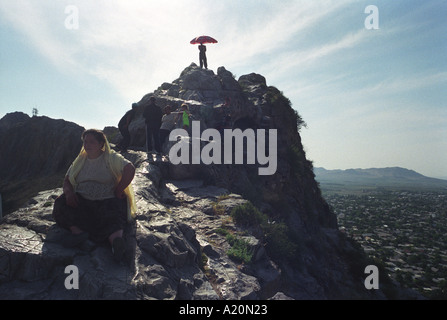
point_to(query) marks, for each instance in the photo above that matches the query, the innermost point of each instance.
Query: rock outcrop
(35, 155)
(202, 231)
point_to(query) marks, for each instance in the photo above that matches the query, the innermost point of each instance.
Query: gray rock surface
(166, 246)
(185, 243)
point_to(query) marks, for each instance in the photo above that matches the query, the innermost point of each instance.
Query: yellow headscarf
(114, 162)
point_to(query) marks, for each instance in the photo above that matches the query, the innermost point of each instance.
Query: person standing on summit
(152, 115)
(202, 56)
(123, 126)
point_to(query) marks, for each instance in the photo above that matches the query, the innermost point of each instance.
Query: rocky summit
(203, 232)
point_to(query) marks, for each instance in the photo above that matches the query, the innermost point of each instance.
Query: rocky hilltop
(202, 231)
(35, 155)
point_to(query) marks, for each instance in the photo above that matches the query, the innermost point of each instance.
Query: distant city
(402, 227)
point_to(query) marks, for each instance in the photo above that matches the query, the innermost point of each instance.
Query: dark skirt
(99, 218)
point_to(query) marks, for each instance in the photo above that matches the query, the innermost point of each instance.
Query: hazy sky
(370, 97)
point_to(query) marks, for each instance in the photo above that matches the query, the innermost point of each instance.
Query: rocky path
(174, 251)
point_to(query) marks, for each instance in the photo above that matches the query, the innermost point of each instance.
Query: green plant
(48, 204)
(218, 209)
(248, 215)
(296, 160)
(222, 231)
(279, 241)
(203, 261)
(223, 197)
(278, 100)
(240, 250)
(300, 123)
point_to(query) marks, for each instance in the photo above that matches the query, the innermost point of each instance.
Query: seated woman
(97, 198)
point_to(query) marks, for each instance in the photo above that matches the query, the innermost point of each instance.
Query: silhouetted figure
(123, 126)
(152, 115)
(168, 123)
(184, 116)
(202, 56)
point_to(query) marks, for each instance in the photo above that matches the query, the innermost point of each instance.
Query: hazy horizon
(445, 178)
(371, 98)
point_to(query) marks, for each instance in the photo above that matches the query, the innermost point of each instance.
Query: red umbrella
(203, 39)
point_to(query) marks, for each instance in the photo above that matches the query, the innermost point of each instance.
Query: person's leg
(118, 248)
(69, 218)
(116, 234)
(163, 135)
(112, 221)
(75, 230)
(156, 135)
(148, 138)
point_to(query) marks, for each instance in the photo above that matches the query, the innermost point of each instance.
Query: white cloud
(277, 35)
(134, 46)
(137, 45)
(397, 85)
(38, 29)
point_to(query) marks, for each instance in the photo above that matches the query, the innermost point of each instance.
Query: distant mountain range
(380, 177)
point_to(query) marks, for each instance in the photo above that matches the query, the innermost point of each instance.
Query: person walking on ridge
(184, 116)
(123, 126)
(152, 115)
(168, 123)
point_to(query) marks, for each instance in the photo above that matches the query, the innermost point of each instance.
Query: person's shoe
(73, 240)
(118, 248)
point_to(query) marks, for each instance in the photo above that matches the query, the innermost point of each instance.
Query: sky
(370, 83)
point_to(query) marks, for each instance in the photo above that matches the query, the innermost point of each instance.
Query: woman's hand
(72, 199)
(126, 179)
(70, 196)
(119, 193)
